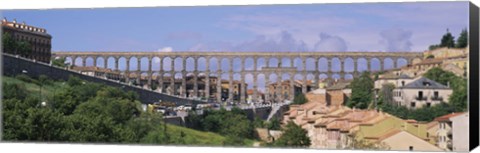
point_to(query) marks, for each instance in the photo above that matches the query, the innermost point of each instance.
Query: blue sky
(319, 27)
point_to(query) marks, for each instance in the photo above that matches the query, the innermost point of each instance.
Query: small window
(428, 104)
(412, 104)
(403, 83)
(435, 93)
(410, 148)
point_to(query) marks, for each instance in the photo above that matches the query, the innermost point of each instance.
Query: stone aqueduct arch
(255, 71)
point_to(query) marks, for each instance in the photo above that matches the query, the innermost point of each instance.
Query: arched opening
(89, 61)
(201, 64)
(348, 65)
(144, 64)
(323, 65)
(237, 65)
(178, 64)
(273, 62)
(156, 64)
(100, 62)
(375, 65)
(167, 64)
(310, 64)
(133, 64)
(286, 62)
(249, 64)
(225, 65)
(213, 64)
(190, 67)
(122, 64)
(336, 65)
(298, 63)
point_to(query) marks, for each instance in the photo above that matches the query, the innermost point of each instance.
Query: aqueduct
(181, 64)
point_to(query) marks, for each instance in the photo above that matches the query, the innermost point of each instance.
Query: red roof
(448, 116)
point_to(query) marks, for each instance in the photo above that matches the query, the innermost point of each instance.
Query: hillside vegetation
(76, 111)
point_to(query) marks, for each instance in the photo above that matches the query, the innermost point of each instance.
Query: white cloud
(396, 40)
(165, 49)
(330, 43)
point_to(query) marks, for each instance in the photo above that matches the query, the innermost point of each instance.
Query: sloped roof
(448, 116)
(340, 85)
(424, 83)
(404, 76)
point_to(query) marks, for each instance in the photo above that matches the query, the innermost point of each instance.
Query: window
(399, 94)
(412, 104)
(410, 148)
(403, 83)
(435, 93)
(428, 104)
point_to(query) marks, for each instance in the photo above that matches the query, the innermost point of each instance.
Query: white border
(82, 148)
(49, 4)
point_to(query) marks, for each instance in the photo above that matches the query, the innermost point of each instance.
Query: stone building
(286, 89)
(421, 92)
(37, 38)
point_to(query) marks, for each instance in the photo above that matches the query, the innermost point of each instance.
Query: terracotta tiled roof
(448, 116)
(432, 124)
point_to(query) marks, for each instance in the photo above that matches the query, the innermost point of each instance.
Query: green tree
(24, 48)
(9, 44)
(60, 62)
(274, 124)
(300, 99)
(462, 40)
(153, 86)
(14, 90)
(439, 75)
(293, 136)
(237, 124)
(447, 40)
(386, 94)
(362, 91)
(430, 56)
(432, 47)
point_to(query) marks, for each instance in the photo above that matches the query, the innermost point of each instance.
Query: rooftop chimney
(14, 20)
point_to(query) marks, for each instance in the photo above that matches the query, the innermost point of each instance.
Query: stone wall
(13, 66)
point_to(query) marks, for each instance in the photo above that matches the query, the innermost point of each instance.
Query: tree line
(85, 112)
(448, 40)
(12, 46)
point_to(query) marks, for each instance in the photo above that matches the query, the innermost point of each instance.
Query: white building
(453, 132)
(421, 92)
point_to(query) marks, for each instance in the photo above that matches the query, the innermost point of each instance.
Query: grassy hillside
(92, 96)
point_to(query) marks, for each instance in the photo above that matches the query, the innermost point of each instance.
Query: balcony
(438, 98)
(420, 98)
(449, 144)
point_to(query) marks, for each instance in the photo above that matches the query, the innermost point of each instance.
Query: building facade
(421, 92)
(452, 134)
(288, 89)
(39, 41)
